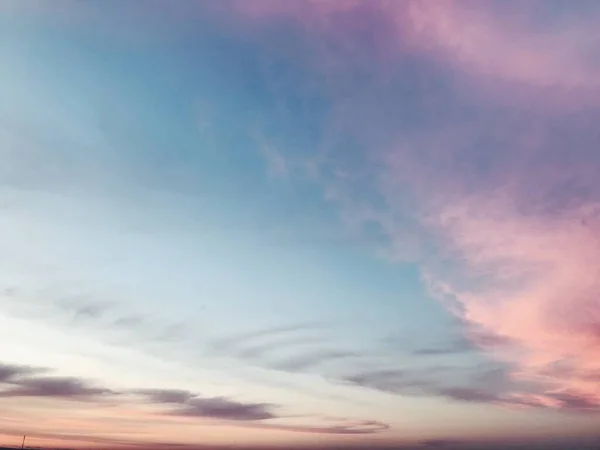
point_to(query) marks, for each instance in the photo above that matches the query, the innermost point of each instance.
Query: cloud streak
(344, 427)
(10, 373)
(58, 387)
(177, 403)
(222, 408)
(294, 348)
(193, 405)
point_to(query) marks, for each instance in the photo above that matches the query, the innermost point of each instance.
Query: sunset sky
(316, 223)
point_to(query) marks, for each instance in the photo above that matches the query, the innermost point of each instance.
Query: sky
(299, 223)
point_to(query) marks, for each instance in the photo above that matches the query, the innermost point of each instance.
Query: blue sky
(298, 222)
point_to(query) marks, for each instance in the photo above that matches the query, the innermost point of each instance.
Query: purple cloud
(225, 409)
(191, 404)
(464, 394)
(345, 426)
(177, 396)
(60, 387)
(253, 415)
(12, 373)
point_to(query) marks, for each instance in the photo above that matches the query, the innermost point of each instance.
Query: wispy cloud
(20, 383)
(455, 347)
(194, 405)
(481, 38)
(344, 426)
(484, 383)
(441, 443)
(191, 404)
(83, 312)
(294, 348)
(277, 165)
(222, 408)
(10, 373)
(176, 396)
(313, 359)
(61, 387)
(391, 381)
(25, 381)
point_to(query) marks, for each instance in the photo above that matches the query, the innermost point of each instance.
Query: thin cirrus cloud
(378, 368)
(478, 385)
(295, 348)
(83, 312)
(473, 384)
(342, 428)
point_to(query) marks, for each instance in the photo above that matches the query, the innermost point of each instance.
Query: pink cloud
(539, 289)
(311, 9)
(485, 43)
(514, 253)
(511, 247)
(496, 48)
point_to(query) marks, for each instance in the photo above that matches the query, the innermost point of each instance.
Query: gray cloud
(128, 321)
(457, 346)
(252, 414)
(177, 396)
(485, 383)
(575, 401)
(345, 427)
(310, 360)
(90, 311)
(465, 394)
(438, 443)
(293, 348)
(64, 387)
(194, 405)
(10, 372)
(85, 312)
(389, 381)
(258, 352)
(223, 408)
(244, 340)
(466, 338)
